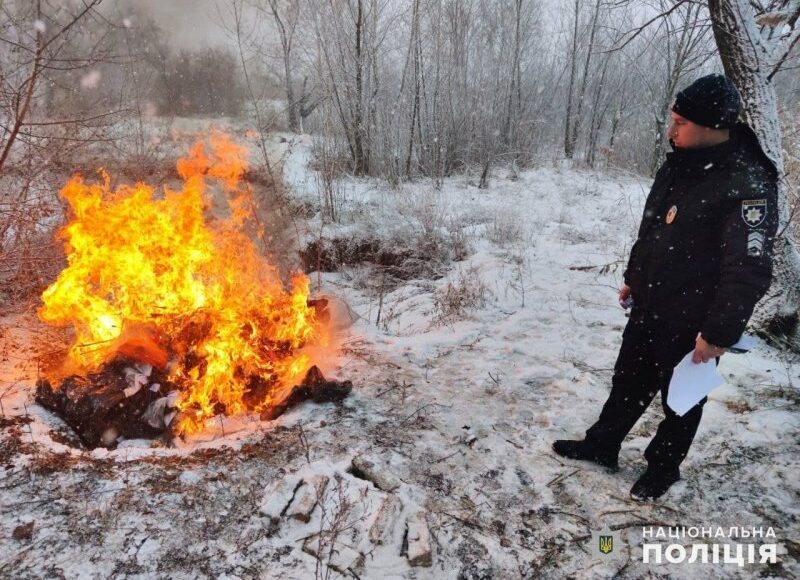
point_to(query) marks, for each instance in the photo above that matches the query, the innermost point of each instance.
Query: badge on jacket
(754, 211)
(673, 211)
(755, 244)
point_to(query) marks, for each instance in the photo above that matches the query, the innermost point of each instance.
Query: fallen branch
(561, 477)
(422, 408)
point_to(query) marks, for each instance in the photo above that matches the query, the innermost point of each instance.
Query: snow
(460, 401)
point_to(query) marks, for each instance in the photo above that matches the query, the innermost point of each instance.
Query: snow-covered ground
(462, 379)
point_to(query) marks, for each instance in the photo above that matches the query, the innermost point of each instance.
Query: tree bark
(569, 145)
(415, 105)
(513, 102)
(286, 32)
(742, 51)
(358, 121)
(576, 123)
(598, 114)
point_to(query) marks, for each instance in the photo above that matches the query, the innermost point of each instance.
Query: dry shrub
(426, 233)
(459, 241)
(29, 256)
(453, 302)
(426, 221)
(330, 164)
(504, 229)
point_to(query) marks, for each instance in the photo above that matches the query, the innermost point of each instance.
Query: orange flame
(160, 270)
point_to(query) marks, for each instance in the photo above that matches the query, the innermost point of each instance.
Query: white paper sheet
(745, 343)
(691, 382)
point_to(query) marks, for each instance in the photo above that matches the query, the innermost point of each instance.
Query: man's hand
(704, 352)
(624, 294)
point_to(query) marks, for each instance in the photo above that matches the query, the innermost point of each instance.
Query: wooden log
(381, 527)
(372, 470)
(306, 498)
(419, 541)
(277, 498)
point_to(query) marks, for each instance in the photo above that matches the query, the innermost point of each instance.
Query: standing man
(701, 262)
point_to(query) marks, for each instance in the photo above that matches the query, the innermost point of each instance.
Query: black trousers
(651, 347)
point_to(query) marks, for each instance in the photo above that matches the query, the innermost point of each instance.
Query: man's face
(684, 134)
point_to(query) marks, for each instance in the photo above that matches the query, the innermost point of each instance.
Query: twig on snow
(561, 477)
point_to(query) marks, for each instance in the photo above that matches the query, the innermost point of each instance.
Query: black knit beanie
(710, 101)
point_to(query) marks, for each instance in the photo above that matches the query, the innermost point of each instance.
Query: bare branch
(637, 31)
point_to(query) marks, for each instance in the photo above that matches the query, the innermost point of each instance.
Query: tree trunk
(740, 46)
(415, 105)
(358, 122)
(596, 119)
(660, 129)
(286, 31)
(576, 123)
(291, 103)
(569, 145)
(612, 137)
(512, 103)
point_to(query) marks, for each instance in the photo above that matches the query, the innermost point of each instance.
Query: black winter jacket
(703, 256)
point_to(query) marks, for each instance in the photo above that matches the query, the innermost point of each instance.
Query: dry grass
(458, 297)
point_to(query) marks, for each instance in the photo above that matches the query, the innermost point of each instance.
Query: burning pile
(172, 288)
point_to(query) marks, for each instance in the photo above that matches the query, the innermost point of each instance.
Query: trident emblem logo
(606, 544)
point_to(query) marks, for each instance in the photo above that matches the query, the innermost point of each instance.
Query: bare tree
(573, 68)
(243, 33)
(285, 14)
(52, 107)
(684, 51)
(38, 49)
(573, 123)
(515, 77)
(359, 130)
(351, 35)
(414, 52)
(429, 87)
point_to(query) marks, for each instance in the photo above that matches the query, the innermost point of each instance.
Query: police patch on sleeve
(755, 243)
(754, 211)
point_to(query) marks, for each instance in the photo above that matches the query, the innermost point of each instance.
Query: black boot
(654, 483)
(581, 450)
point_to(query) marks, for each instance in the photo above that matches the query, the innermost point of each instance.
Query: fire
(166, 279)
